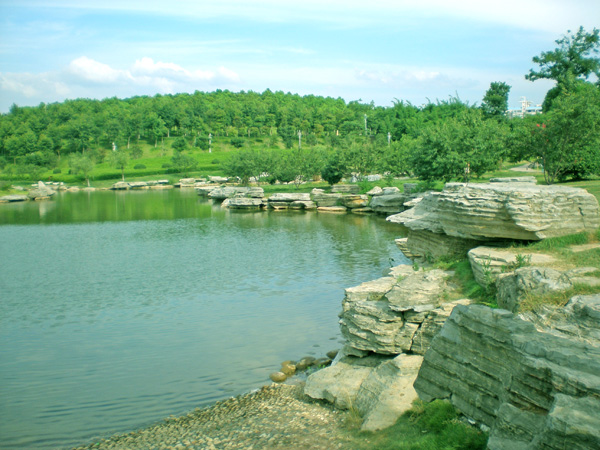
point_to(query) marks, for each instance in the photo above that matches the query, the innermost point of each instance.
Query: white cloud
(89, 70)
(86, 77)
(32, 85)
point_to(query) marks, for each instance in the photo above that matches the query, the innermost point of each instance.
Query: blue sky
(377, 50)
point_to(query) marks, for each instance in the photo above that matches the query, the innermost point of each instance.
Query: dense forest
(286, 137)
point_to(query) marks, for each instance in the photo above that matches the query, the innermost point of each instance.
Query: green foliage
(573, 57)
(136, 152)
(81, 164)
(495, 101)
(238, 142)
(139, 166)
(458, 147)
(184, 163)
(334, 169)
(119, 160)
(568, 138)
(246, 164)
(56, 171)
(431, 426)
(467, 286)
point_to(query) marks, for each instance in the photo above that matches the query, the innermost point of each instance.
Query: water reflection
(128, 307)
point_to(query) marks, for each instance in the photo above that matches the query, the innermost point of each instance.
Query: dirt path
(274, 417)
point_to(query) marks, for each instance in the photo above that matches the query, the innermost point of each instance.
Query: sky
(379, 51)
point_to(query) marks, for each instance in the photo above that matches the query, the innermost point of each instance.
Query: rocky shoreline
(272, 417)
(529, 377)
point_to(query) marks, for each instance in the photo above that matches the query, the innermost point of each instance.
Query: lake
(118, 309)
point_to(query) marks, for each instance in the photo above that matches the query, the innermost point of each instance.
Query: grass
(426, 426)
(534, 302)
(465, 284)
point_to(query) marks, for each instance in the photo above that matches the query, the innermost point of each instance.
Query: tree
(495, 101)
(184, 163)
(334, 169)
(574, 58)
(246, 164)
(567, 138)
(81, 164)
(119, 160)
(179, 144)
(457, 147)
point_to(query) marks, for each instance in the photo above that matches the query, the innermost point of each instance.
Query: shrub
(57, 170)
(334, 170)
(215, 161)
(237, 142)
(167, 165)
(136, 152)
(139, 166)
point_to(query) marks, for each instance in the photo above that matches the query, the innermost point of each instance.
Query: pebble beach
(272, 417)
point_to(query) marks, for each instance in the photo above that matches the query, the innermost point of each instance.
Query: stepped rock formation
(519, 211)
(324, 200)
(383, 315)
(514, 287)
(532, 389)
(388, 324)
(487, 262)
(390, 202)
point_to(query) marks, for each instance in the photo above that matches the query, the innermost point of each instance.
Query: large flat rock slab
(521, 211)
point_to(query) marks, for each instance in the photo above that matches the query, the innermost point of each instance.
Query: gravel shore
(274, 417)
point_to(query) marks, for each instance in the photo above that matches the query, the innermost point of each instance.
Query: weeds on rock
(535, 302)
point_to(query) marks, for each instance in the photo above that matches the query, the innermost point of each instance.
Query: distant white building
(527, 109)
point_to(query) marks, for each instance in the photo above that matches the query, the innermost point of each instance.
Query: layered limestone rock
(340, 382)
(515, 287)
(488, 262)
(245, 203)
(389, 203)
(333, 209)
(388, 324)
(206, 189)
(345, 188)
(303, 204)
(532, 389)
(579, 319)
(520, 211)
(221, 193)
(387, 392)
(289, 197)
(120, 186)
(354, 201)
(325, 200)
(138, 185)
(380, 388)
(41, 191)
(383, 315)
(13, 198)
(425, 244)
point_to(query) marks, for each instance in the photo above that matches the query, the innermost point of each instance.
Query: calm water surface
(118, 309)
